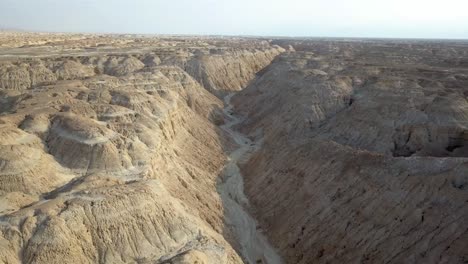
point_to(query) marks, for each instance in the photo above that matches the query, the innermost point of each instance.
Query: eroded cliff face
(113, 172)
(219, 70)
(363, 157)
(114, 158)
(223, 73)
(115, 149)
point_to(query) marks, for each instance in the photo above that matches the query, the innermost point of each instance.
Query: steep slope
(111, 155)
(219, 70)
(118, 149)
(250, 240)
(363, 156)
(224, 72)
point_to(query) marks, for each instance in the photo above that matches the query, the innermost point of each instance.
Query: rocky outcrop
(25, 167)
(23, 76)
(14, 77)
(84, 144)
(120, 67)
(40, 74)
(70, 70)
(118, 223)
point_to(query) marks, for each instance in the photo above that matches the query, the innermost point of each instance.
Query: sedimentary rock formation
(114, 158)
(363, 156)
(224, 72)
(119, 149)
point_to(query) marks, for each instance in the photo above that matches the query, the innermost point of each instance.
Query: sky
(319, 18)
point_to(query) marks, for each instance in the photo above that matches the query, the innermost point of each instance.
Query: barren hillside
(110, 153)
(146, 149)
(364, 152)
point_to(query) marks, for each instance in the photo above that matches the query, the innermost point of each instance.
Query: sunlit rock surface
(120, 149)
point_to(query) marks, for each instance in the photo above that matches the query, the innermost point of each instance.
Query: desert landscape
(209, 149)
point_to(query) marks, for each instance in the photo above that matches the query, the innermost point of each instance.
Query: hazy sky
(347, 18)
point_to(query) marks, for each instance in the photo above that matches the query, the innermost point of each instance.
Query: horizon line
(19, 30)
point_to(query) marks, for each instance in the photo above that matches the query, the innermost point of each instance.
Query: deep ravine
(254, 246)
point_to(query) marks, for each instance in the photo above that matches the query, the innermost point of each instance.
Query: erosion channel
(254, 246)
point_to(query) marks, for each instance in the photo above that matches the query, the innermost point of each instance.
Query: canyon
(190, 149)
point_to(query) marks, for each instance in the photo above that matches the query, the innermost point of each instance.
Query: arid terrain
(185, 149)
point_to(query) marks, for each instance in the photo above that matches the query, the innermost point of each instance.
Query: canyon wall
(114, 158)
(113, 170)
(364, 152)
(113, 150)
(226, 73)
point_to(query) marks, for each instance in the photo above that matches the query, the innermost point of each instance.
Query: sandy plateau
(176, 150)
